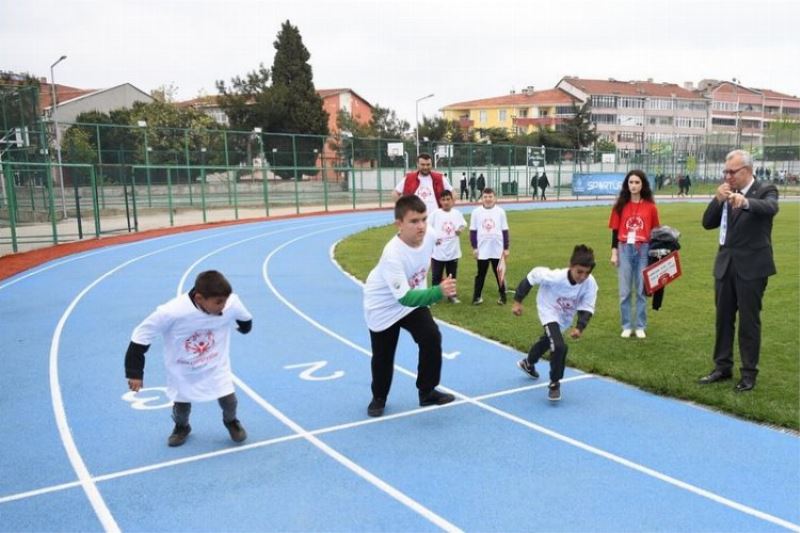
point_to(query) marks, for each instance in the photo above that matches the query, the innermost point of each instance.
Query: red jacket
(412, 183)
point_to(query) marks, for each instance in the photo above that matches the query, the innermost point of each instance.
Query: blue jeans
(632, 261)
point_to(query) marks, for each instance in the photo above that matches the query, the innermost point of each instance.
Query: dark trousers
(438, 268)
(543, 197)
(182, 410)
(483, 266)
(553, 341)
(464, 193)
(426, 334)
(734, 294)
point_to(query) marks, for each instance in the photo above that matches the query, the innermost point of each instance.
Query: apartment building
(520, 113)
(636, 115)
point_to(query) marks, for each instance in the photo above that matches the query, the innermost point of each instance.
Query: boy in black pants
(562, 294)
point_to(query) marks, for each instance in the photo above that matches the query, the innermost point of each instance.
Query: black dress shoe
(714, 377)
(744, 385)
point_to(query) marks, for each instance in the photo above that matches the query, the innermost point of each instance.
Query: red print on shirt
(634, 223)
(418, 278)
(424, 193)
(448, 228)
(488, 225)
(200, 342)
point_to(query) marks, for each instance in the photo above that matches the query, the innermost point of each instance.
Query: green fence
(127, 178)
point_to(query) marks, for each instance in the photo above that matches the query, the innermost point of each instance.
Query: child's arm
(522, 291)
(134, 365)
(583, 320)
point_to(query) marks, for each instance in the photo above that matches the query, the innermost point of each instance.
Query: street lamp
(737, 82)
(416, 117)
(53, 106)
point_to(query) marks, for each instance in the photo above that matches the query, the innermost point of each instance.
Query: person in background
(427, 184)
(447, 224)
(632, 218)
(488, 234)
(743, 209)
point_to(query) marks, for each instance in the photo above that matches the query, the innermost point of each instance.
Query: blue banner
(598, 184)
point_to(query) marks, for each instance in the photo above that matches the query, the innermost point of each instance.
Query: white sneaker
(626, 334)
(640, 334)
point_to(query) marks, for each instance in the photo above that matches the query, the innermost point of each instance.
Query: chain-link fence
(126, 178)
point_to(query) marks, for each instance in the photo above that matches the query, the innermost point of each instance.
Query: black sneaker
(554, 391)
(376, 406)
(435, 397)
(502, 300)
(528, 368)
(235, 428)
(179, 435)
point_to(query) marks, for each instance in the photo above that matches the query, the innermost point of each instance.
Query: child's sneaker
(640, 334)
(477, 301)
(554, 391)
(235, 428)
(528, 368)
(376, 406)
(626, 333)
(454, 300)
(179, 435)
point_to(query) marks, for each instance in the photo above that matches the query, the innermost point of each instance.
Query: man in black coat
(742, 209)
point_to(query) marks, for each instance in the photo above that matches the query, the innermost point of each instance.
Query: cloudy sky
(393, 52)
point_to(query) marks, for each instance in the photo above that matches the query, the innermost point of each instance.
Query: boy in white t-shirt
(447, 223)
(563, 293)
(488, 234)
(396, 296)
(195, 328)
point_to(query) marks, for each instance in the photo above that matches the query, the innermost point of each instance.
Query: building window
(699, 123)
(683, 122)
(629, 120)
(483, 116)
(604, 101)
(719, 105)
(716, 121)
(522, 112)
(658, 103)
(501, 115)
(627, 102)
(565, 110)
(630, 137)
(604, 119)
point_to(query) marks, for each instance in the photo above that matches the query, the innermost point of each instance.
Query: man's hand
(614, 257)
(575, 333)
(516, 308)
(135, 384)
(448, 286)
(723, 192)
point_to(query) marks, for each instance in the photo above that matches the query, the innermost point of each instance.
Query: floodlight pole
(53, 106)
(416, 117)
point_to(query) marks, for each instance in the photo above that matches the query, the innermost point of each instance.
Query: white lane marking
(337, 456)
(78, 465)
(451, 355)
(276, 440)
(310, 368)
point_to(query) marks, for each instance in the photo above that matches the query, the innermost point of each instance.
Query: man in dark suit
(742, 209)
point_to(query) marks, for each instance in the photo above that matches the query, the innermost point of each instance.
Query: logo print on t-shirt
(448, 228)
(565, 304)
(424, 193)
(418, 278)
(488, 225)
(634, 223)
(200, 342)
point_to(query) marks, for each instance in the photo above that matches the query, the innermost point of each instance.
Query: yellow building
(519, 113)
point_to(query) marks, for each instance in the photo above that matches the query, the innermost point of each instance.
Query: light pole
(53, 106)
(736, 82)
(416, 117)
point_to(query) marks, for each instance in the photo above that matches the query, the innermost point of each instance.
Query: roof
(211, 101)
(64, 93)
(630, 88)
(549, 96)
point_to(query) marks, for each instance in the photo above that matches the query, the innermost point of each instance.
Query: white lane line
(79, 466)
(277, 440)
(541, 429)
(360, 471)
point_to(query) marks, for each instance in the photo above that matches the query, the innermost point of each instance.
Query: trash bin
(508, 188)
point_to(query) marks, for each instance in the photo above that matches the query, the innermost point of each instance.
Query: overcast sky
(393, 52)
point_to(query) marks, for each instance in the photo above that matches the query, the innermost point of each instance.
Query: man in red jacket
(424, 183)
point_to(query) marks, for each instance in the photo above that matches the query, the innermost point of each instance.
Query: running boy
(196, 328)
(562, 293)
(488, 234)
(395, 296)
(447, 224)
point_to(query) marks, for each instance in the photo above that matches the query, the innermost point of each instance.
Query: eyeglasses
(727, 172)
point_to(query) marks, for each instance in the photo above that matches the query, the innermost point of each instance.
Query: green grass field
(680, 335)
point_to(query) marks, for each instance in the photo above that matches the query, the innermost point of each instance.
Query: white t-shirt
(425, 191)
(445, 224)
(196, 346)
(490, 224)
(400, 269)
(558, 300)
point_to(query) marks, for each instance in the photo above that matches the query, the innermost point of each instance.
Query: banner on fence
(597, 184)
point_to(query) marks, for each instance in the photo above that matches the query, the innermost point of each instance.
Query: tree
(579, 129)
(605, 145)
(290, 104)
(439, 129)
(386, 124)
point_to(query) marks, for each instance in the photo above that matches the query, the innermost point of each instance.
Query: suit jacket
(748, 240)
